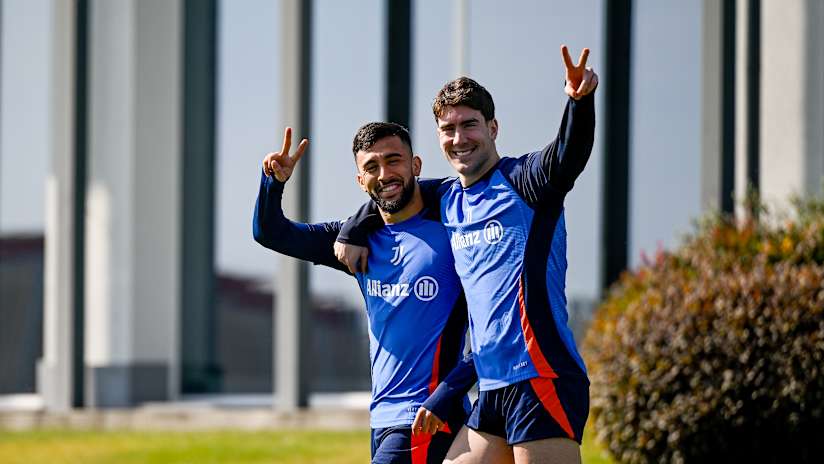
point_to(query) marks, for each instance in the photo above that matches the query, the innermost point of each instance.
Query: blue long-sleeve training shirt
(508, 237)
(414, 303)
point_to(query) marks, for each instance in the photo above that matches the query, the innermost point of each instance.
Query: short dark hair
(467, 92)
(369, 134)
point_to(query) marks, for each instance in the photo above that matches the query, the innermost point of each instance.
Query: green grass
(61, 446)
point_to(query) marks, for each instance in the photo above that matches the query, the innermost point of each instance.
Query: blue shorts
(396, 445)
(533, 409)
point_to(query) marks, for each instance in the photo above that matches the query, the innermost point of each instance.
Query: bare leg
(473, 447)
(549, 450)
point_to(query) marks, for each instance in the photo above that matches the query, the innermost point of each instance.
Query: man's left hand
(580, 80)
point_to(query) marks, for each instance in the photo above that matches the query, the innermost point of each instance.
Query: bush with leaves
(716, 351)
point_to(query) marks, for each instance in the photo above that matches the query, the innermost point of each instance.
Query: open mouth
(462, 153)
(390, 189)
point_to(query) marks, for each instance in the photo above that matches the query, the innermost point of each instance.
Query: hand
(350, 255)
(279, 163)
(426, 422)
(580, 80)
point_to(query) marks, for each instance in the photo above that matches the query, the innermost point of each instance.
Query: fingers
(278, 171)
(426, 422)
(567, 59)
(266, 167)
(582, 61)
(340, 253)
(588, 84)
(350, 255)
(584, 83)
(593, 83)
(287, 141)
(267, 161)
(301, 148)
(433, 423)
(570, 91)
(417, 424)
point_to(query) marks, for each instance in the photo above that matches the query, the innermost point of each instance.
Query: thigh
(548, 450)
(471, 447)
(392, 446)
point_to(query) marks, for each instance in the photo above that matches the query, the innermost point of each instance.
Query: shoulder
(511, 166)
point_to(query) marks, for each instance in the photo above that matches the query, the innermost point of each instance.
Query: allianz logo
(492, 233)
(425, 289)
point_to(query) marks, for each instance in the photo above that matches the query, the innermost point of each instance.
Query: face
(468, 141)
(387, 173)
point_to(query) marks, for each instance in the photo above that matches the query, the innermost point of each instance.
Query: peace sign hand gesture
(279, 163)
(580, 80)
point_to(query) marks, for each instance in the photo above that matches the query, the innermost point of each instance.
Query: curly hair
(369, 134)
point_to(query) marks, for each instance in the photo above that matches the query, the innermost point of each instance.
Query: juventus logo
(398, 255)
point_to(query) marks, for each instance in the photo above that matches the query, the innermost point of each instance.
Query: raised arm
(271, 228)
(549, 174)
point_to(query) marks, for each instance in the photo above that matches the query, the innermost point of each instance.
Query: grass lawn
(60, 446)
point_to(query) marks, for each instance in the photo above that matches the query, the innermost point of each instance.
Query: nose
(383, 172)
(458, 137)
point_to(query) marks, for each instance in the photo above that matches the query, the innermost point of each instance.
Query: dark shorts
(396, 445)
(533, 409)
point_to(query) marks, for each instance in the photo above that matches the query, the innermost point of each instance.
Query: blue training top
(508, 237)
(414, 302)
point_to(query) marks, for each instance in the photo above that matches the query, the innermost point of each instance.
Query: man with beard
(414, 302)
(505, 217)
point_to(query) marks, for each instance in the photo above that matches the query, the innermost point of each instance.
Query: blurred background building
(131, 135)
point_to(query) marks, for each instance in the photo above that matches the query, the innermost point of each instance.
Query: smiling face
(468, 141)
(387, 171)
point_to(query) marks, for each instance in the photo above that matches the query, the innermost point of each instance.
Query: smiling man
(414, 302)
(505, 218)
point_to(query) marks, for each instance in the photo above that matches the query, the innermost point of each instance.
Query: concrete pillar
(792, 99)
(54, 371)
(718, 111)
(133, 203)
(292, 331)
(747, 85)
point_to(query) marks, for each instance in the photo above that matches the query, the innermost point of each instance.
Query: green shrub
(716, 351)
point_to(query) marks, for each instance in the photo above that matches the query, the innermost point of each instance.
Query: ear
(361, 182)
(493, 128)
(416, 165)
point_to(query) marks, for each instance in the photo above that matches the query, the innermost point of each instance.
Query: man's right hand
(353, 256)
(279, 163)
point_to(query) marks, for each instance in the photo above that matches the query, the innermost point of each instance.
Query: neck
(414, 207)
(469, 179)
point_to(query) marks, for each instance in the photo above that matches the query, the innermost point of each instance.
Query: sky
(512, 50)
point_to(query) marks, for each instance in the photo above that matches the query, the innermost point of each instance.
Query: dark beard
(393, 207)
